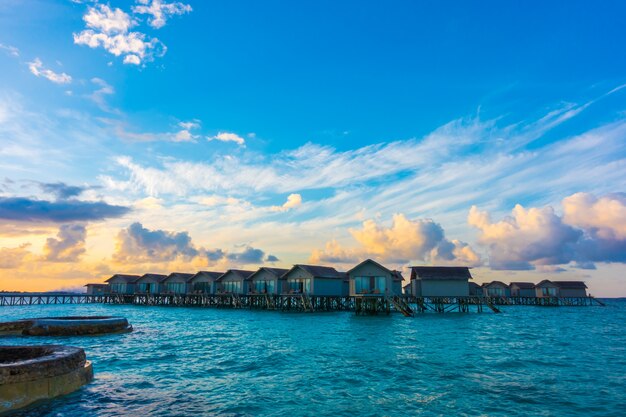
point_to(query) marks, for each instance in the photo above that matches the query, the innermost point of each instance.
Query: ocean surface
(541, 361)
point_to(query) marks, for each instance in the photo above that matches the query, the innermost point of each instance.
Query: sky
(157, 136)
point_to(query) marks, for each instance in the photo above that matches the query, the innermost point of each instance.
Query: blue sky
(301, 129)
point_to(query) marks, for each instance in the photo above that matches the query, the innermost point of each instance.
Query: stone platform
(66, 326)
(33, 373)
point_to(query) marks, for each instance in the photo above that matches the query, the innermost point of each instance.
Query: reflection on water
(195, 361)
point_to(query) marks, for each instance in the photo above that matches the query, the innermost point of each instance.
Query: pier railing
(407, 305)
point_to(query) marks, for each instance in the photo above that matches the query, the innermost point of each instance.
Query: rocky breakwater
(66, 326)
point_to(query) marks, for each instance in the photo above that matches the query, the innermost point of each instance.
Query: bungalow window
(176, 287)
(548, 292)
(118, 287)
(144, 287)
(202, 287)
(264, 287)
(495, 292)
(232, 287)
(299, 285)
(369, 285)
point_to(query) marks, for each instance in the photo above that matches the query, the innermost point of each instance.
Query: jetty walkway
(407, 305)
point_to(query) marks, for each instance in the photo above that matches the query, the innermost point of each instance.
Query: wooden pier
(407, 305)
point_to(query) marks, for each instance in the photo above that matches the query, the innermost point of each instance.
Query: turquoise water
(202, 361)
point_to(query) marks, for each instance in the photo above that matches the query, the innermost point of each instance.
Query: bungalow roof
(319, 271)
(494, 284)
(186, 276)
(211, 274)
(242, 273)
(125, 277)
(523, 285)
(157, 277)
(440, 272)
(570, 284)
(277, 272)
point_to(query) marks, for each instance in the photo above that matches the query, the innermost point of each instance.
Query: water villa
(522, 289)
(440, 281)
(150, 284)
(266, 281)
(369, 278)
(177, 283)
(122, 283)
(233, 282)
(315, 280)
(496, 289)
(203, 282)
(547, 288)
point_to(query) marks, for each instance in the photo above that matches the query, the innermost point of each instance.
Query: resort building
(475, 290)
(440, 281)
(203, 282)
(522, 289)
(122, 283)
(315, 280)
(571, 288)
(233, 282)
(176, 283)
(548, 288)
(150, 284)
(369, 278)
(266, 281)
(496, 289)
(97, 289)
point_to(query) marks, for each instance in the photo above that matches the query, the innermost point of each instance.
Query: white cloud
(190, 125)
(228, 137)
(99, 95)
(160, 11)
(110, 29)
(36, 68)
(106, 20)
(293, 201)
(10, 50)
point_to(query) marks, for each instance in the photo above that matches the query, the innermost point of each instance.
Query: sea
(178, 361)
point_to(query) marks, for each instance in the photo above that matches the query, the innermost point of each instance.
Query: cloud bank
(590, 230)
(138, 244)
(68, 246)
(30, 210)
(419, 240)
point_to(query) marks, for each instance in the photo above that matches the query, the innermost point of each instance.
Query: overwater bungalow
(150, 284)
(571, 288)
(547, 288)
(440, 281)
(97, 289)
(369, 278)
(315, 280)
(496, 289)
(122, 283)
(522, 289)
(176, 283)
(203, 282)
(475, 290)
(265, 281)
(233, 281)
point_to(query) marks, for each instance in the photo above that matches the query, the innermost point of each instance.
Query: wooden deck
(407, 305)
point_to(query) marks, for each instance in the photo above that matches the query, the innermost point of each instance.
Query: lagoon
(203, 361)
